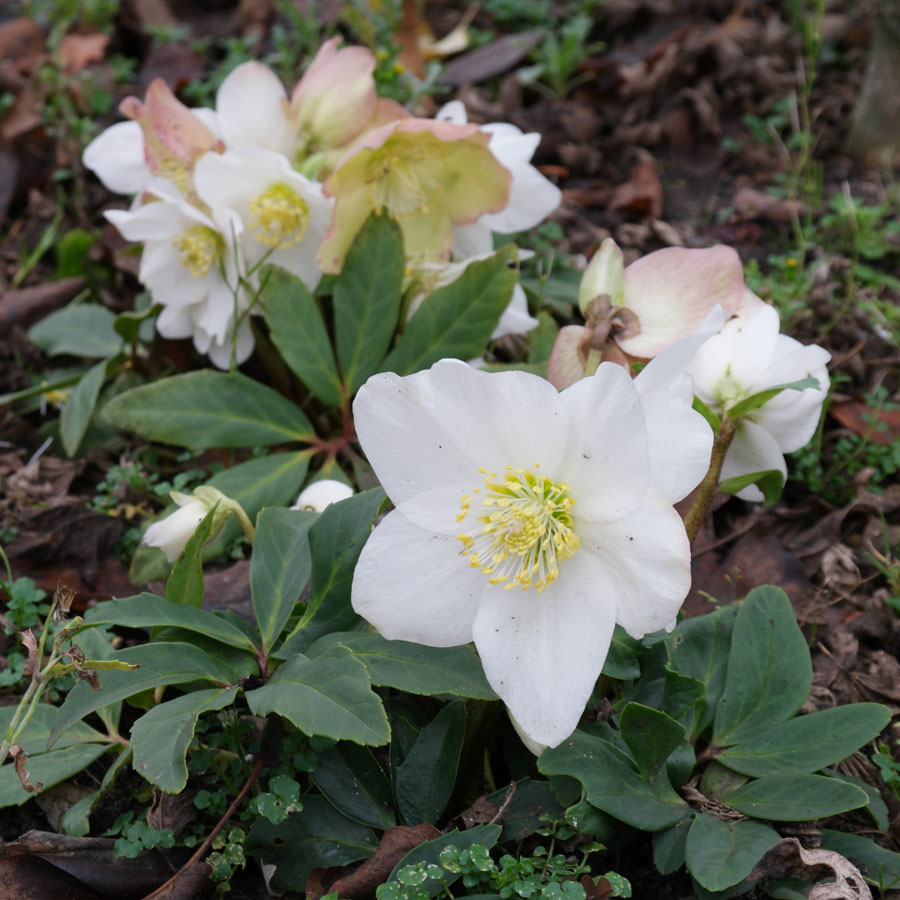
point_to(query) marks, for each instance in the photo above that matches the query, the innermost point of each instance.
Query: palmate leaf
(769, 670)
(207, 409)
(457, 319)
(329, 696)
(298, 331)
(367, 297)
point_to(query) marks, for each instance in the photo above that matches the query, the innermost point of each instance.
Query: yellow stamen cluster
(198, 249)
(395, 184)
(278, 217)
(527, 529)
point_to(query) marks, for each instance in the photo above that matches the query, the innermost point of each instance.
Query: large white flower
(532, 197)
(186, 253)
(527, 520)
(284, 215)
(747, 357)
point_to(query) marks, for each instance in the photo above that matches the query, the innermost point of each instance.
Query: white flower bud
(172, 533)
(321, 494)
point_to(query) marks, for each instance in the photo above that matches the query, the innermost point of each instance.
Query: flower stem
(244, 519)
(706, 490)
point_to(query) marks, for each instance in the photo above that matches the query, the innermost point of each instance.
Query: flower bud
(321, 494)
(172, 533)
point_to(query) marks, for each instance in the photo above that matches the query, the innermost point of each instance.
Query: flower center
(727, 391)
(278, 217)
(527, 529)
(396, 185)
(198, 248)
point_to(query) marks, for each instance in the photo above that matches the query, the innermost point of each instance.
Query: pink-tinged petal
(116, 157)
(642, 564)
(606, 461)
(672, 290)
(543, 652)
(565, 366)
(753, 449)
(335, 98)
(413, 585)
(252, 108)
(604, 275)
(792, 417)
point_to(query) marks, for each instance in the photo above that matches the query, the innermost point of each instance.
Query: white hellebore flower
(322, 493)
(172, 533)
(746, 357)
(528, 521)
(532, 197)
(185, 253)
(284, 215)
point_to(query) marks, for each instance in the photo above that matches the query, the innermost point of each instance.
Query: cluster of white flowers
(268, 177)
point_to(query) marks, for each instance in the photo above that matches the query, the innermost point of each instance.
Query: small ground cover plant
(464, 562)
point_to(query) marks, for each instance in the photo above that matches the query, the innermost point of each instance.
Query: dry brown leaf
(492, 59)
(21, 44)
(78, 51)
(879, 426)
(643, 192)
(790, 859)
(20, 761)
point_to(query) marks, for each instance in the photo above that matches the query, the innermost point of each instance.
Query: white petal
(515, 318)
(175, 322)
(643, 564)
(425, 438)
(543, 652)
(454, 111)
(413, 585)
(680, 443)
(607, 462)
(116, 157)
(251, 106)
(753, 449)
(172, 533)
(472, 240)
(323, 493)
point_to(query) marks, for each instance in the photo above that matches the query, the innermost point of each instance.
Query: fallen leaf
(31, 878)
(881, 426)
(20, 759)
(491, 59)
(78, 51)
(395, 843)
(643, 192)
(26, 306)
(790, 859)
(21, 44)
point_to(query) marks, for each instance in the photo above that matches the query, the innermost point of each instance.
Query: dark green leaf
(748, 404)
(795, 798)
(532, 804)
(150, 611)
(77, 331)
(316, 837)
(297, 330)
(160, 738)
(335, 542)
(699, 648)
(161, 664)
(350, 777)
(622, 660)
(185, 582)
(430, 852)
(414, 668)
(457, 319)
(769, 481)
(49, 769)
(719, 854)
(651, 737)
(209, 409)
(367, 299)
(33, 739)
(612, 784)
(668, 846)
(714, 421)
(424, 780)
(279, 568)
(79, 409)
(329, 696)
(769, 669)
(808, 743)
